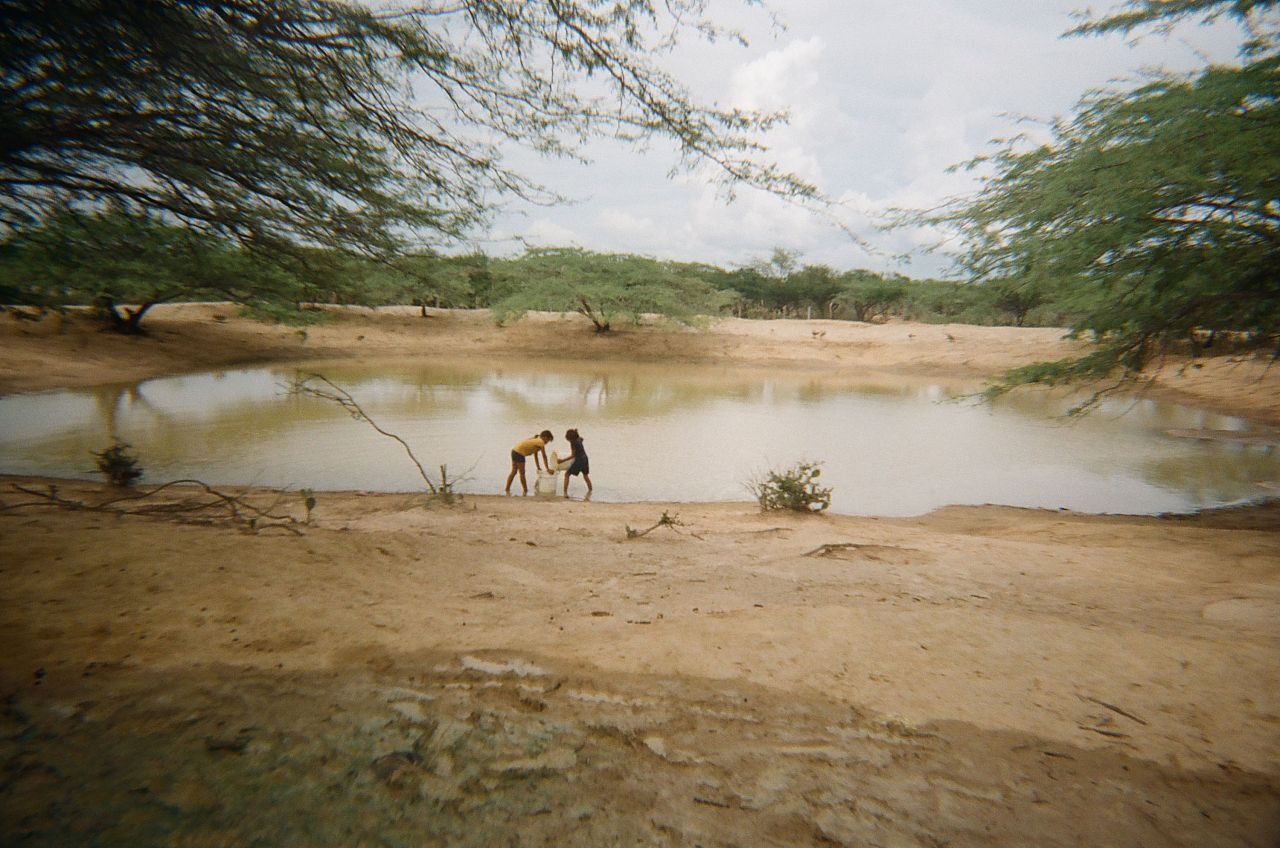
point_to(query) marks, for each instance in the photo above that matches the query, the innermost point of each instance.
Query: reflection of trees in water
(617, 393)
(115, 402)
(1055, 405)
(631, 396)
(1223, 473)
(160, 434)
(417, 392)
(816, 391)
(615, 397)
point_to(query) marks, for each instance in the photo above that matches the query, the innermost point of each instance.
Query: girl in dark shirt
(581, 465)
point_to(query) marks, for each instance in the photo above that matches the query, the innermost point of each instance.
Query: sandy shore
(518, 671)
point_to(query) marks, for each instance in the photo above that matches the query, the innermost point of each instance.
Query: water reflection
(890, 445)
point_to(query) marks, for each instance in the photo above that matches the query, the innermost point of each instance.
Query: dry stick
(344, 399)
(1113, 708)
(671, 521)
(1114, 734)
(823, 550)
(231, 503)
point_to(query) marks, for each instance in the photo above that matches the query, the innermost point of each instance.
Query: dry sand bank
(518, 669)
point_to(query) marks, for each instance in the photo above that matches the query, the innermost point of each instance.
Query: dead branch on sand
(226, 508)
(304, 384)
(672, 521)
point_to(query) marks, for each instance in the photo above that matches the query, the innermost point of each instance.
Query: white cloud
(883, 99)
(546, 233)
(780, 78)
(625, 225)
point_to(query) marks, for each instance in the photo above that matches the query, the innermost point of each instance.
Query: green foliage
(1015, 297)
(308, 503)
(602, 287)
(784, 286)
(795, 488)
(868, 296)
(125, 263)
(1165, 13)
(426, 279)
(118, 464)
(288, 124)
(275, 312)
(1154, 209)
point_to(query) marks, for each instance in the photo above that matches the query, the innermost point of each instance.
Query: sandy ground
(517, 671)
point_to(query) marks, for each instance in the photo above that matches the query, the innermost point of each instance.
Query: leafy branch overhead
(1155, 210)
(301, 123)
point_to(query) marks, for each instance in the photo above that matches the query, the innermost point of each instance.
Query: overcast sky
(883, 96)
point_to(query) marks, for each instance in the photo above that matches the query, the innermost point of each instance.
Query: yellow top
(529, 446)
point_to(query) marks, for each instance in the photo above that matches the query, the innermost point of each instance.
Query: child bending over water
(534, 446)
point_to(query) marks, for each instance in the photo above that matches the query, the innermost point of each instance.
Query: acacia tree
(1156, 209)
(601, 287)
(76, 257)
(868, 295)
(287, 124)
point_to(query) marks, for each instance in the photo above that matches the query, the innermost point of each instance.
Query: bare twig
(1114, 734)
(823, 550)
(331, 391)
(672, 521)
(1113, 708)
(239, 512)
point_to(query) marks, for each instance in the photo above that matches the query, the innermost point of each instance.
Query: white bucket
(546, 483)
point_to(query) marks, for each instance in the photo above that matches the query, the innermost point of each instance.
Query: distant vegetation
(273, 153)
(123, 264)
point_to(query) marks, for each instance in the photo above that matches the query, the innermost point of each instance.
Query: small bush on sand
(118, 465)
(308, 503)
(794, 488)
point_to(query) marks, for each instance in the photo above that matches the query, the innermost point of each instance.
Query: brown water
(888, 446)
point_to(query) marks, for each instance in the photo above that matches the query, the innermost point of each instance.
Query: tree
(601, 287)
(77, 258)
(868, 295)
(451, 281)
(1015, 297)
(326, 123)
(1157, 208)
(815, 286)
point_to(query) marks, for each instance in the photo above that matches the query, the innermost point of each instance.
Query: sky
(884, 98)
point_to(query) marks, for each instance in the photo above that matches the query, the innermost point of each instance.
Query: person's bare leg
(524, 484)
(511, 477)
(587, 477)
(566, 484)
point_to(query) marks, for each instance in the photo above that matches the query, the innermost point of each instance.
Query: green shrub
(308, 502)
(274, 312)
(795, 488)
(118, 465)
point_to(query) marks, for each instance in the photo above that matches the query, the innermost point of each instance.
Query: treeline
(123, 264)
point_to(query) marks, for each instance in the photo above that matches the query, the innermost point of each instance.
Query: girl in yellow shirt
(532, 446)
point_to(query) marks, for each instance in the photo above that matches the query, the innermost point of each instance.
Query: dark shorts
(516, 456)
(581, 465)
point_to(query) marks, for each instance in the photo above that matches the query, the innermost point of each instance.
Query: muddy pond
(888, 446)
